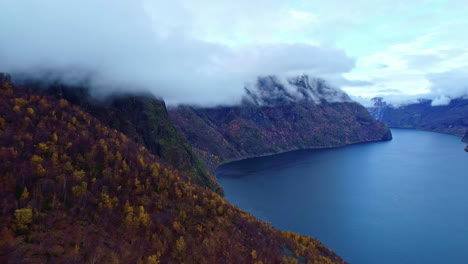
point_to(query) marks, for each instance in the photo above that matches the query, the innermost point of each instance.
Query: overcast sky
(204, 51)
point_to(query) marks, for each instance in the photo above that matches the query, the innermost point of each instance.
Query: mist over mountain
(205, 52)
(449, 85)
(141, 117)
(75, 190)
(451, 118)
(115, 117)
(139, 46)
(277, 116)
(271, 91)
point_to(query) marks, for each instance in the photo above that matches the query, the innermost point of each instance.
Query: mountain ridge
(271, 91)
(450, 119)
(276, 122)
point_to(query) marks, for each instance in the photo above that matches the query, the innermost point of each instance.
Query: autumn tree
(23, 218)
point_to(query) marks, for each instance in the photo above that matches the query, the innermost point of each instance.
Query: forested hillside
(74, 190)
(142, 117)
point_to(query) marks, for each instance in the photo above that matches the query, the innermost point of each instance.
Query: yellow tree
(23, 218)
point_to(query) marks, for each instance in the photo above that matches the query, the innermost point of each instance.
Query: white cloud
(184, 51)
(414, 69)
(203, 51)
(441, 100)
(449, 85)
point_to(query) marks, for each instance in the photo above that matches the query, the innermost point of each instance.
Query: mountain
(271, 91)
(74, 190)
(277, 116)
(450, 119)
(143, 118)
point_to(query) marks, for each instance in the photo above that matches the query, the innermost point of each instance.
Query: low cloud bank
(449, 85)
(142, 45)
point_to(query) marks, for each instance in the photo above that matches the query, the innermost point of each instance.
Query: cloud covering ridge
(152, 45)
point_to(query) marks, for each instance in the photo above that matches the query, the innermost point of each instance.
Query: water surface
(403, 201)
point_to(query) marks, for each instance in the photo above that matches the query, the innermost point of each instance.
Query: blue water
(402, 201)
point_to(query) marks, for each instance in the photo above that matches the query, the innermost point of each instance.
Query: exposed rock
(270, 91)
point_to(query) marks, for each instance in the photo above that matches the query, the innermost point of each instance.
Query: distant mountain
(449, 119)
(143, 118)
(277, 116)
(75, 190)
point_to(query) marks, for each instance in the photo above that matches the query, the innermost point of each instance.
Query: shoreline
(296, 149)
(333, 147)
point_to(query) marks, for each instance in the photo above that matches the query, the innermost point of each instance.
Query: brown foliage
(76, 191)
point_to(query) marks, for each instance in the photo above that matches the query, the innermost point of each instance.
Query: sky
(205, 51)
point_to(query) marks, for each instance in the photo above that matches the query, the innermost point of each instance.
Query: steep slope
(450, 119)
(73, 190)
(276, 117)
(143, 118)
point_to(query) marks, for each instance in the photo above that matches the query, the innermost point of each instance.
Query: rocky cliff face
(450, 119)
(378, 109)
(144, 119)
(277, 117)
(271, 91)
